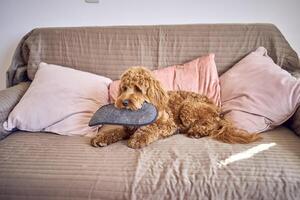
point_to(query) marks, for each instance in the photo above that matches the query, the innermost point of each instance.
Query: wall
(17, 17)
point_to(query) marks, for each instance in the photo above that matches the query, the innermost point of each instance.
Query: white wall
(17, 17)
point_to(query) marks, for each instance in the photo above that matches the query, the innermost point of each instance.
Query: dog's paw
(195, 135)
(137, 143)
(198, 132)
(100, 141)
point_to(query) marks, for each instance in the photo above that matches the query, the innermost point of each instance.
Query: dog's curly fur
(189, 113)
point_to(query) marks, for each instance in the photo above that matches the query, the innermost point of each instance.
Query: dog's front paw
(195, 135)
(198, 131)
(100, 141)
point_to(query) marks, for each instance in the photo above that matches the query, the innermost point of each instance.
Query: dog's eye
(124, 88)
(137, 89)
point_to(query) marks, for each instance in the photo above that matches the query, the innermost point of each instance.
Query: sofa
(36, 165)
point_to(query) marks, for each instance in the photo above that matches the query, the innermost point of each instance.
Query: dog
(178, 111)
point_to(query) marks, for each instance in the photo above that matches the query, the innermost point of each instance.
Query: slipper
(109, 114)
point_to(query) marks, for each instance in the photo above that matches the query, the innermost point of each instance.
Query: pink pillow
(60, 100)
(199, 75)
(257, 94)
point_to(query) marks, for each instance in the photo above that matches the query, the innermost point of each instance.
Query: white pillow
(60, 100)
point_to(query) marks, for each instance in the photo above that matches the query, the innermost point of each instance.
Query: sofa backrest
(109, 51)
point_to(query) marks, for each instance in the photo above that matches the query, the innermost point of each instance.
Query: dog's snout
(125, 102)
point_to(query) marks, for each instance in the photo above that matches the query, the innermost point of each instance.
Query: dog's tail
(230, 134)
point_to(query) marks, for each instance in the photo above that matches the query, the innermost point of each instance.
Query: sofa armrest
(8, 99)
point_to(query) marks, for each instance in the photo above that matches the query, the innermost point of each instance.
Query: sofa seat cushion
(36, 165)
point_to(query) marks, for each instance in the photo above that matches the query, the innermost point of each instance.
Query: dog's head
(137, 86)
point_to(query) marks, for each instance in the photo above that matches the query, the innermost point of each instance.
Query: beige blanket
(47, 166)
(109, 51)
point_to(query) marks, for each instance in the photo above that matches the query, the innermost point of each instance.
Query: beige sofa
(49, 166)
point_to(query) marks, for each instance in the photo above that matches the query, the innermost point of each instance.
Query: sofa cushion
(47, 166)
(199, 75)
(257, 94)
(60, 100)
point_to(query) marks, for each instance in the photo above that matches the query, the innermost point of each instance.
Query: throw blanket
(109, 51)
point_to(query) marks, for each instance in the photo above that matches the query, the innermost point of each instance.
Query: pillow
(60, 100)
(199, 75)
(257, 95)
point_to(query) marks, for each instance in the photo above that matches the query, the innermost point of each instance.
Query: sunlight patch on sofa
(245, 154)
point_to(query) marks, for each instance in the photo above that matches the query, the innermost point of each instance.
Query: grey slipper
(109, 114)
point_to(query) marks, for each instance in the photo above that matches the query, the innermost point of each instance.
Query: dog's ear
(119, 90)
(122, 88)
(157, 95)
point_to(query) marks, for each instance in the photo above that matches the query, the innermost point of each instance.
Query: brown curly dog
(189, 113)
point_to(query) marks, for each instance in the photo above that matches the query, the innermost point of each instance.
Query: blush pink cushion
(60, 100)
(199, 75)
(257, 94)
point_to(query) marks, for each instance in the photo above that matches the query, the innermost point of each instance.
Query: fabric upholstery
(108, 51)
(46, 166)
(8, 99)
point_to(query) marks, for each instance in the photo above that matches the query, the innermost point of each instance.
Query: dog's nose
(125, 102)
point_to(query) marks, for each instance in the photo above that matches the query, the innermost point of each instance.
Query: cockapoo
(178, 111)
